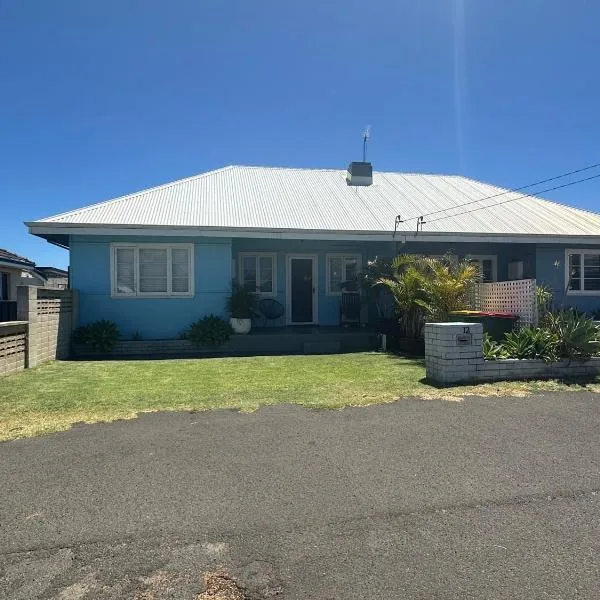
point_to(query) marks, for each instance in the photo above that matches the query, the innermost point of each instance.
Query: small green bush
(209, 331)
(531, 342)
(100, 336)
(492, 350)
(243, 302)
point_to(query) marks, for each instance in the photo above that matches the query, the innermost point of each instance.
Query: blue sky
(103, 98)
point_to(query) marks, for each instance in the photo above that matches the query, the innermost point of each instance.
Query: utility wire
(518, 189)
(556, 187)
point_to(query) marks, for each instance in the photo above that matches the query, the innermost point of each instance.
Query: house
(156, 260)
(54, 278)
(16, 270)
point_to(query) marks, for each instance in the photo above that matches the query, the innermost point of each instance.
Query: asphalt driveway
(488, 498)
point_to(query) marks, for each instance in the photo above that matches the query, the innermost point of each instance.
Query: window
(257, 271)
(341, 269)
(488, 267)
(583, 272)
(152, 270)
(4, 279)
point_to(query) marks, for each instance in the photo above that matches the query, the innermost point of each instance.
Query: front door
(302, 289)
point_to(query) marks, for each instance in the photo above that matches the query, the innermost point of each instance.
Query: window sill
(150, 296)
(584, 293)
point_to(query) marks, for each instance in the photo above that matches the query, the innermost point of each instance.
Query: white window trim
(328, 257)
(482, 257)
(136, 247)
(258, 255)
(582, 292)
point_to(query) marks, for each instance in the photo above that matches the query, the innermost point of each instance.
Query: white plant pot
(240, 325)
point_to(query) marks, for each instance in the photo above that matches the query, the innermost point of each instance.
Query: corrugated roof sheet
(320, 200)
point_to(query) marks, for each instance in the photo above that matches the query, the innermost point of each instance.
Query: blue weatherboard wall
(161, 318)
(154, 318)
(550, 269)
(329, 306)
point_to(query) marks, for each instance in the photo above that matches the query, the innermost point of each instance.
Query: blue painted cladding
(160, 318)
(154, 318)
(328, 306)
(550, 269)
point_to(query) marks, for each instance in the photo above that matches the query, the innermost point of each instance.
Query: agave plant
(578, 335)
(531, 342)
(492, 350)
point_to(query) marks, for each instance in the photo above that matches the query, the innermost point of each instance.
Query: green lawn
(56, 395)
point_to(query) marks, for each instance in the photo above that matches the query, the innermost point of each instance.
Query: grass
(56, 395)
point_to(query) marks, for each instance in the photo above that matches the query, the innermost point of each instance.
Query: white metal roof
(319, 200)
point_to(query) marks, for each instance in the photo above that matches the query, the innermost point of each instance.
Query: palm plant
(449, 282)
(408, 286)
(427, 287)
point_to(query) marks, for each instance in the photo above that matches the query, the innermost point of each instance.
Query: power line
(556, 187)
(511, 191)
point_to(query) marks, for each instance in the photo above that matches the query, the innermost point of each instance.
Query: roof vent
(359, 173)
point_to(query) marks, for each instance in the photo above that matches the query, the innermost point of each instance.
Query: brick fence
(454, 354)
(46, 318)
(13, 346)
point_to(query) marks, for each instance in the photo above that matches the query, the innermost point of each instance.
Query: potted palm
(242, 305)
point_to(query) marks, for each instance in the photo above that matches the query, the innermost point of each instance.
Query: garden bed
(522, 369)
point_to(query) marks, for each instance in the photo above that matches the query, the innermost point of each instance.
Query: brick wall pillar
(27, 311)
(453, 351)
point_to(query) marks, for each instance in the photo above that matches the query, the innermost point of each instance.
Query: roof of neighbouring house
(52, 272)
(18, 261)
(250, 199)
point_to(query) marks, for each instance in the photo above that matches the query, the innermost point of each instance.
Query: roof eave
(58, 233)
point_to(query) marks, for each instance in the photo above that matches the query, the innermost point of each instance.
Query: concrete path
(488, 498)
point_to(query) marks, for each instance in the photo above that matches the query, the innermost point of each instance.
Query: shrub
(531, 342)
(544, 298)
(425, 287)
(578, 336)
(209, 331)
(101, 335)
(243, 302)
(492, 350)
(596, 314)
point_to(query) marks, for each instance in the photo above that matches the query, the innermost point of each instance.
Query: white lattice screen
(516, 297)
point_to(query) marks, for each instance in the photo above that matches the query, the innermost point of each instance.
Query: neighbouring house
(156, 260)
(55, 278)
(16, 270)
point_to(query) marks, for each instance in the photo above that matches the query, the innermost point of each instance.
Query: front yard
(56, 395)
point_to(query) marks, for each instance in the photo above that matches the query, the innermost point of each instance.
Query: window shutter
(591, 271)
(153, 270)
(180, 270)
(125, 265)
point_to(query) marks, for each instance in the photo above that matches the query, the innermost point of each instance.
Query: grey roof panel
(282, 199)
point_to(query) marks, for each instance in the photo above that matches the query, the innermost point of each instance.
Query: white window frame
(344, 255)
(480, 258)
(582, 291)
(136, 257)
(258, 256)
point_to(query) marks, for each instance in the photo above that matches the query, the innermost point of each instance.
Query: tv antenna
(366, 136)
